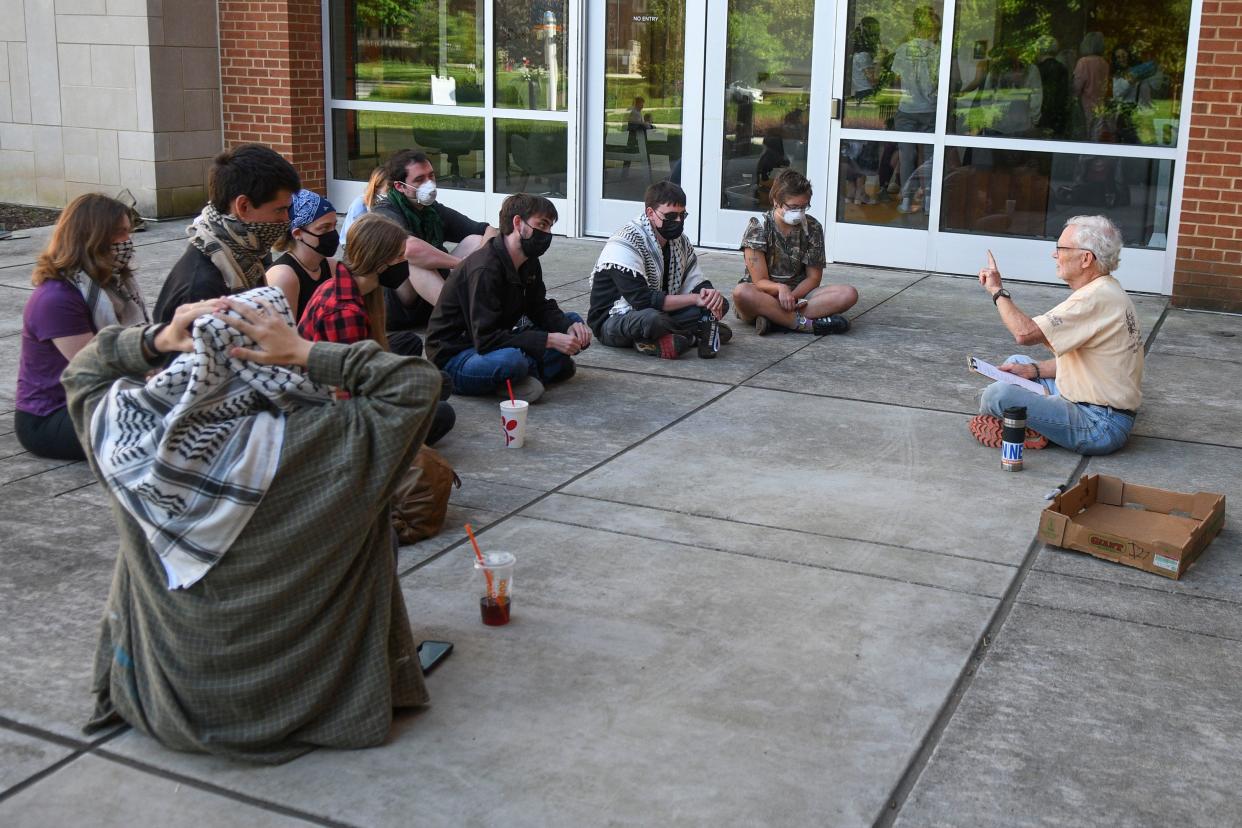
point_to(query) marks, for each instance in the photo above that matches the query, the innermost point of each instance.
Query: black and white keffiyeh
(636, 249)
(191, 453)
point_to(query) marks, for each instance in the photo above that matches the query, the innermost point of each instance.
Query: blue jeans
(1080, 427)
(476, 374)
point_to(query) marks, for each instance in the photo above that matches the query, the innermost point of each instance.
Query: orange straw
(478, 553)
(512, 401)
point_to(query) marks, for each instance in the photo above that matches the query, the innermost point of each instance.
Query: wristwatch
(148, 341)
(1000, 293)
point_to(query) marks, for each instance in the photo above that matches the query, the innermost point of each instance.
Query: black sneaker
(726, 333)
(835, 324)
(762, 326)
(708, 336)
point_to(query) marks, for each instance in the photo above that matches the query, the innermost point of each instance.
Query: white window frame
(484, 205)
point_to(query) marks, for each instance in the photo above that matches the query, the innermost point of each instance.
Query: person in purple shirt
(83, 284)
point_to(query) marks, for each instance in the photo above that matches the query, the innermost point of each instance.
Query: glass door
(762, 111)
(884, 156)
(1035, 111)
(643, 107)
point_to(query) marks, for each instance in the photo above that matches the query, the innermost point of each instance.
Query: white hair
(1101, 237)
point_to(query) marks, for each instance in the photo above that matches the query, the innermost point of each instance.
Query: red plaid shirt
(336, 313)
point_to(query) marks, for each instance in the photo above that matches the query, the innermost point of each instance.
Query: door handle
(834, 112)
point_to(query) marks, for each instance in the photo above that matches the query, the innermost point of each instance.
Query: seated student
(83, 284)
(647, 291)
(411, 203)
(477, 334)
(306, 258)
(1095, 378)
(784, 254)
(249, 191)
(255, 611)
(349, 308)
(376, 189)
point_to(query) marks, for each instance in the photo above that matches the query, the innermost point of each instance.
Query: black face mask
(671, 228)
(395, 276)
(537, 243)
(325, 243)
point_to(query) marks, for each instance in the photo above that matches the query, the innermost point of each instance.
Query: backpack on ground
(421, 500)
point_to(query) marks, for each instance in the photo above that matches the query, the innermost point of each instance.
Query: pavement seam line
(764, 558)
(806, 532)
(83, 749)
(557, 490)
(1135, 621)
(209, 787)
(1156, 589)
(895, 802)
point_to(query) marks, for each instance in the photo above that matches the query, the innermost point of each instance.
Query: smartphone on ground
(431, 653)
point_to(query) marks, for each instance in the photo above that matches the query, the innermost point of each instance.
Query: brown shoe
(987, 430)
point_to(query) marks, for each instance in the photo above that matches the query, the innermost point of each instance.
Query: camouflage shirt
(789, 256)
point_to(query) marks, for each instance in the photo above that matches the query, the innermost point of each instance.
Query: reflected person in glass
(1092, 385)
(784, 254)
(917, 63)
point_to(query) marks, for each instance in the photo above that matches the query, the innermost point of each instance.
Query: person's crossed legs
(647, 325)
(1083, 428)
(476, 374)
(823, 302)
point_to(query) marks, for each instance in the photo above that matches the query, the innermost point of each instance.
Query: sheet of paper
(992, 372)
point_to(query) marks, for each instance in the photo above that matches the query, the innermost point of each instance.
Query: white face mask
(426, 193)
(794, 216)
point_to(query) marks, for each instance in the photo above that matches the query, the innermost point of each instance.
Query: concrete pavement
(783, 587)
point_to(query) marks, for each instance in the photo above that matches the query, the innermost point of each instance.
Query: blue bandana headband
(307, 207)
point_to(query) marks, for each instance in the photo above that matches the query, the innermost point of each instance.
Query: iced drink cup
(495, 587)
(513, 422)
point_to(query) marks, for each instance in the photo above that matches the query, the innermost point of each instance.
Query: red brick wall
(1208, 274)
(271, 80)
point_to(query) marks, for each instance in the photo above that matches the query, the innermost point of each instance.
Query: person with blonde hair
(349, 306)
(784, 255)
(83, 283)
(376, 190)
(1093, 383)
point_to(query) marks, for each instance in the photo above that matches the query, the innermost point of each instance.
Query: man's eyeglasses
(674, 216)
(1062, 247)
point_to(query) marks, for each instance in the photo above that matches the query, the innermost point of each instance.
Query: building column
(1208, 272)
(271, 80)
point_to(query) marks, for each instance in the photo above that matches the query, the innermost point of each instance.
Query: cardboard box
(1155, 530)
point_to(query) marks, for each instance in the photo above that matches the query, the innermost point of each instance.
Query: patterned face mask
(268, 232)
(122, 254)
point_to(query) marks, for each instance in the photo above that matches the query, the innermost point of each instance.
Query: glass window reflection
(363, 140)
(531, 54)
(892, 61)
(872, 191)
(532, 157)
(766, 97)
(644, 45)
(1031, 194)
(1109, 71)
(426, 51)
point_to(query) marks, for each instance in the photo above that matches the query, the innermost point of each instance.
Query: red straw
(512, 401)
(478, 553)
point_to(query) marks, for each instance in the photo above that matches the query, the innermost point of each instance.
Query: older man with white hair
(1094, 378)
